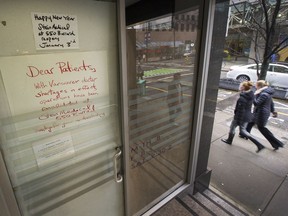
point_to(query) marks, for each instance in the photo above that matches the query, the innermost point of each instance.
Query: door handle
(118, 177)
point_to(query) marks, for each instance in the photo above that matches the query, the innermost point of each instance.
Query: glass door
(59, 118)
(161, 76)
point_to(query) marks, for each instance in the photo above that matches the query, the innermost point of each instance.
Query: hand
(274, 114)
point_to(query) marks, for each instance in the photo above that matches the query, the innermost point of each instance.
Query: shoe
(260, 149)
(226, 141)
(243, 137)
(276, 148)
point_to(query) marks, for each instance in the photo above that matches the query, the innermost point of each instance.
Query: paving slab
(241, 174)
(279, 204)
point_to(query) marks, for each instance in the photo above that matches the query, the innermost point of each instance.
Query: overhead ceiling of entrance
(130, 2)
(140, 10)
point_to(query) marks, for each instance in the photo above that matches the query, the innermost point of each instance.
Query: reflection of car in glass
(277, 74)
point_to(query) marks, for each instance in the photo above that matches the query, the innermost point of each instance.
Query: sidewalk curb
(232, 84)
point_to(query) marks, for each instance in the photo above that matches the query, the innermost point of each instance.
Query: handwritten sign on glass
(54, 31)
(56, 90)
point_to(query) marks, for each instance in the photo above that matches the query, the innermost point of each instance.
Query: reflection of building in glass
(167, 38)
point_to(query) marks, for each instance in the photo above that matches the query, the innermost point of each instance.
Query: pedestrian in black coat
(242, 115)
(175, 98)
(263, 107)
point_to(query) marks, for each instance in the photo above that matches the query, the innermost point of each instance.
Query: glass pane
(59, 107)
(161, 56)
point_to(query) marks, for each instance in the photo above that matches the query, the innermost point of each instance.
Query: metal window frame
(200, 92)
(204, 56)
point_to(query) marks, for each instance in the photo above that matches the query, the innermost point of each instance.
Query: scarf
(258, 91)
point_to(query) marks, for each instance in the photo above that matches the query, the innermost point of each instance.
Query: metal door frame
(8, 202)
(207, 18)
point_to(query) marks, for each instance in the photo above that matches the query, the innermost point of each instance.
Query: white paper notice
(56, 91)
(53, 150)
(55, 31)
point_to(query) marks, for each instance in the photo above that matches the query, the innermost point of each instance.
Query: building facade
(107, 108)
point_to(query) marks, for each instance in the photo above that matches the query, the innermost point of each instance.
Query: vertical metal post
(124, 98)
(201, 85)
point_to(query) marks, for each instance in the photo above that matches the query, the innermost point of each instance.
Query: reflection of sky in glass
(167, 22)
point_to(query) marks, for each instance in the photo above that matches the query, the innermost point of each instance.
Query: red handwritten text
(65, 67)
(34, 71)
(51, 92)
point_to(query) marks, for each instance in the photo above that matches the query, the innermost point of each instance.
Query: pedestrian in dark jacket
(263, 107)
(242, 115)
(175, 98)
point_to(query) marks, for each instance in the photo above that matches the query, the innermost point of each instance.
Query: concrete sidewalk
(257, 182)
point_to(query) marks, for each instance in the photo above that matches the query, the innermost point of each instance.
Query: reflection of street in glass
(160, 106)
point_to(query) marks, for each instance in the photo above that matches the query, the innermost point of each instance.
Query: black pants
(244, 132)
(267, 134)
